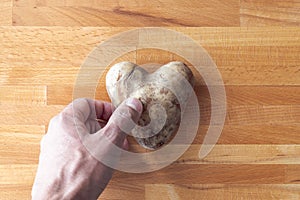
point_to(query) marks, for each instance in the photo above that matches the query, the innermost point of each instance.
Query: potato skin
(129, 80)
(149, 95)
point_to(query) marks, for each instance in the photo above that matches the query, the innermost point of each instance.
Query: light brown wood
(236, 95)
(244, 154)
(206, 36)
(291, 174)
(261, 54)
(252, 134)
(22, 95)
(222, 192)
(257, 155)
(270, 12)
(216, 173)
(15, 191)
(113, 191)
(23, 174)
(6, 12)
(27, 115)
(236, 115)
(156, 13)
(255, 134)
(121, 190)
(126, 13)
(25, 149)
(20, 144)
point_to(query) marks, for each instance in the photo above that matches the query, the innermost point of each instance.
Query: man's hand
(67, 169)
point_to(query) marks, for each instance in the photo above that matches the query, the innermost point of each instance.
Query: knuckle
(64, 115)
(122, 113)
(53, 120)
(82, 100)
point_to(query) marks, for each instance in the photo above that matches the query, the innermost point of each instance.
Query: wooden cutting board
(258, 153)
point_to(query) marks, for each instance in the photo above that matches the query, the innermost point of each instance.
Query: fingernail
(135, 104)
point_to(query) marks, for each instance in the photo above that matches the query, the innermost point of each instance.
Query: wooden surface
(258, 153)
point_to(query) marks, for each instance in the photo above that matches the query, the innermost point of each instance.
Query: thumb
(123, 120)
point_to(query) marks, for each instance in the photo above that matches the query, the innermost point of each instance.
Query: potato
(156, 92)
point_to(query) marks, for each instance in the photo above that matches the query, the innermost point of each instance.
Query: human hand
(67, 169)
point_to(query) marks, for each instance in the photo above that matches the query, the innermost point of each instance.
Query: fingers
(84, 109)
(123, 120)
(120, 121)
(103, 110)
(126, 115)
(106, 143)
(125, 144)
(136, 108)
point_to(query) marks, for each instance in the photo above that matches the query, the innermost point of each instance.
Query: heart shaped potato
(126, 79)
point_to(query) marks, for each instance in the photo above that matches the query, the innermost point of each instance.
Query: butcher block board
(257, 155)
(255, 45)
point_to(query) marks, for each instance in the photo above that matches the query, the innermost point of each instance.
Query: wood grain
(126, 13)
(20, 144)
(291, 174)
(236, 95)
(25, 150)
(255, 134)
(21, 174)
(27, 115)
(156, 13)
(23, 95)
(244, 154)
(15, 191)
(236, 115)
(255, 45)
(121, 190)
(261, 54)
(221, 191)
(113, 191)
(232, 75)
(6, 13)
(270, 12)
(206, 36)
(179, 174)
(251, 134)
(216, 173)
